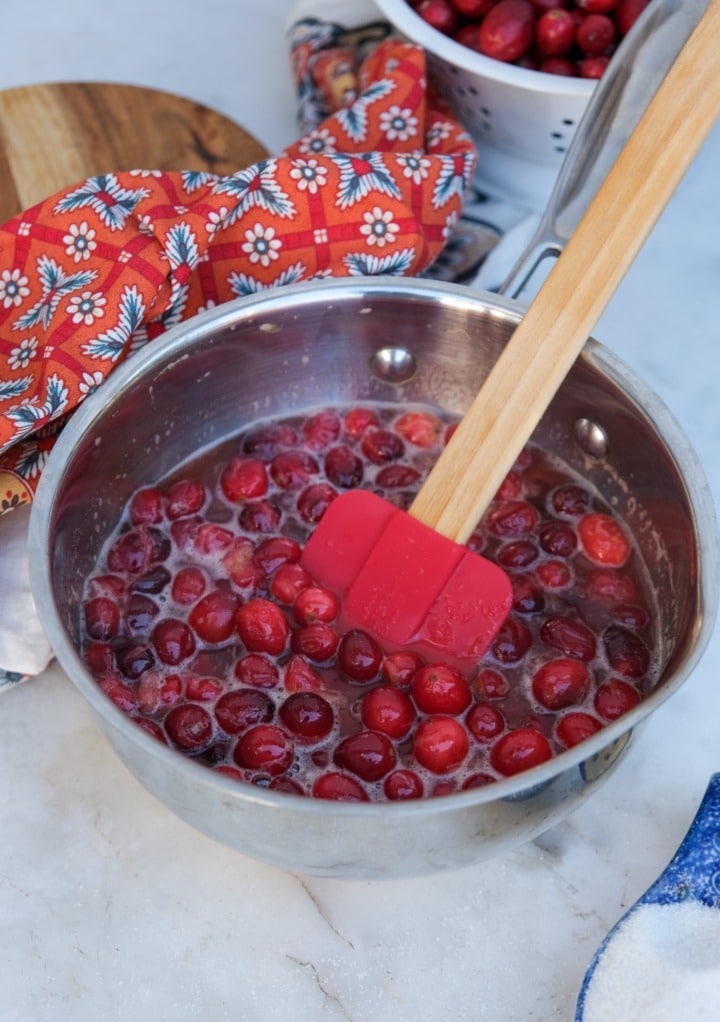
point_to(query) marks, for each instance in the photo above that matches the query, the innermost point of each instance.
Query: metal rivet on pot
(591, 438)
(393, 365)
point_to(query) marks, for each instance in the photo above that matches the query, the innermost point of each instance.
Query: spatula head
(404, 583)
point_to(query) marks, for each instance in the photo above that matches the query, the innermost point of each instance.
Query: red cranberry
(520, 553)
(527, 597)
(313, 501)
(262, 626)
(188, 586)
(563, 66)
(357, 420)
(134, 660)
(560, 683)
(491, 684)
(185, 497)
(102, 618)
(131, 553)
(153, 581)
(243, 708)
(614, 698)
(300, 676)
(440, 688)
(212, 539)
(315, 604)
(107, 585)
(321, 430)
(99, 657)
(570, 500)
(388, 710)
(557, 538)
(398, 668)
(478, 780)
(396, 477)
(293, 468)
(603, 539)
(627, 12)
(576, 727)
(359, 656)
(484, 722)
(597, 6)
(121, 694)
(141, 611)
(506, 31)
(260, 516)
(288, 582)
(593, 67)
(243, 479)
(571, 636)
(213, 616)
(152, 728)
(596, 34)
(189, 727)
(367, 754)
(256, 670)
(308, 716)
(381, 446)
(440, 744)
(420, 428)
(554, 574)
(608, 584)
(264, 747)
(265, 441)
(511, 517)
(203, 690)
(512, 641)
(285, 784)
(343, 468)
(317, 641)
(555, 32)
(631, 615)
(183, 532)
(156, 690)
(519, 750)
(339, 788)
(146, 506)
(173, 641)
(270, 554)
(238, 563)
(402, 784)
(439, 14)
(511, 487)
(626, 652)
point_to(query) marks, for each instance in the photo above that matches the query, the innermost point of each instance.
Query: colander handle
(618, 102)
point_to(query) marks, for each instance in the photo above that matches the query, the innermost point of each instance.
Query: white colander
(522, 121)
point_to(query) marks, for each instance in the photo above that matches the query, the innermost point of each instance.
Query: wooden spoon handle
(555, 328)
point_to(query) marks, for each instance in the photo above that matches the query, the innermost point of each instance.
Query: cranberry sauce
(201, 624)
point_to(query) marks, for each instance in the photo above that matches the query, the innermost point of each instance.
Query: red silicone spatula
(404, 577)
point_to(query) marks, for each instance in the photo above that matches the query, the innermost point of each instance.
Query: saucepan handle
(638, 67)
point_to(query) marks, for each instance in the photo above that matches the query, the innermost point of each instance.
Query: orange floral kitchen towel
(93, 273)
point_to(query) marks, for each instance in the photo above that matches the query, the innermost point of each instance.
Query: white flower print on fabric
(13, 288)
(145, 173)
(379, 227)
(398, 124)
(22, 356)
(216, 220)
(145, 224)
(261, 244)
(309, 174)
(89, 383)
(79, 241)
(318, 141)
(450, 224)
(415, 166)
(87, 307)
(437, 133)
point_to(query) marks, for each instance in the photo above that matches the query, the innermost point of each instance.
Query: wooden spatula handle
(555, 328)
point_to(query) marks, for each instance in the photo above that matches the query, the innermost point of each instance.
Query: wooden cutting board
(52, 136)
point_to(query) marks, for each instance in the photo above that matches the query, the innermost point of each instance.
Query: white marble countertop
(113, 909)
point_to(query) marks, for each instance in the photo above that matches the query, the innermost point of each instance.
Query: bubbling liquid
(201, 625)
